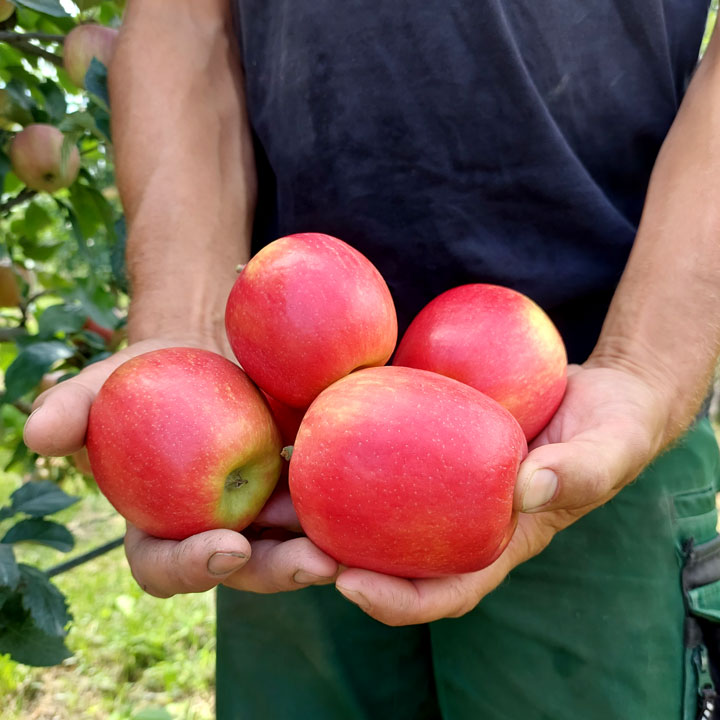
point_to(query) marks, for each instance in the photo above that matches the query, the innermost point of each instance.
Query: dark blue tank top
(456, 141)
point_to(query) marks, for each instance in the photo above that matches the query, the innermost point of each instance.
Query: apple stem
(287, 452)
(239, 268)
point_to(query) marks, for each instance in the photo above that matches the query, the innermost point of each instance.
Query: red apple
(407, 473)
(37, 158)
(180, 441)
(82, 44)
(305, 311)
(286, 418)
(497, 340)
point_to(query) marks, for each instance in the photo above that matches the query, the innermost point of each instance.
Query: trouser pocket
(701, 586)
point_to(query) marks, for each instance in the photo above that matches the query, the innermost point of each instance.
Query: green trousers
(602, 625)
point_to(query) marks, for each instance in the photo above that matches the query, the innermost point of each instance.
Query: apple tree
(62, 277)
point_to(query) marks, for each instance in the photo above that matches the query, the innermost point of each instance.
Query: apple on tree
(82, 44)
(498, 341)
(37, 158)
(407, 472)
(180, 441)
(305, 311)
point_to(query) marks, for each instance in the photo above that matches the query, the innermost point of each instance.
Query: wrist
(189, 324)
(677, 392)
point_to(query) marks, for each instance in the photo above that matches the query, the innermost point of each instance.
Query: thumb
(580, 473)
(58, 422)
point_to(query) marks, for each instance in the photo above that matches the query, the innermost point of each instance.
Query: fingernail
(302, 577)
(29, 418)
(541, 489)
(355, 597)
(32, 415)
(222, 563)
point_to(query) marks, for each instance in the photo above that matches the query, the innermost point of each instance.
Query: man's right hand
(163, 568)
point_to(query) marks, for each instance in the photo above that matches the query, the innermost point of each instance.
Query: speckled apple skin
(498, 341)
(167, 428)
(305, 311)
(407, 473)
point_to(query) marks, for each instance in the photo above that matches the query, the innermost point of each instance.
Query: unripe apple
(6, 9)
(305, 311)
(180, 441)
(406, 472)
(82, 44)
(498, 341)
(36, 157)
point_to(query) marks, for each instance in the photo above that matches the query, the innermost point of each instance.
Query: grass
(135, 657)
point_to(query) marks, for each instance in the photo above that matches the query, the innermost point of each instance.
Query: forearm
(184, 163)
(664, 321)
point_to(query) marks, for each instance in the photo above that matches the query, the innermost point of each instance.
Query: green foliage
(63, 303)
(33, 612)
(132, 653)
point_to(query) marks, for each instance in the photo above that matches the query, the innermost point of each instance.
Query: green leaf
(96, 82)
(28, 644)
(48, 7)
(39, 252)
(41, 498)
(88, 215)
(19, 93)
(11, 183)
(26, 371)
(45, 603)
(37, 218)
(5, 593)
(19, 454)
(61, 319)
(102, 121)
(55, 104)
(78, 122)
(41, 531)
(4, 167)
(9, 570)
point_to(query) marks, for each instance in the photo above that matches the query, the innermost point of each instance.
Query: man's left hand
(609, 426)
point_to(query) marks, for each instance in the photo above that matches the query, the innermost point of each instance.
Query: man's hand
(610, 425)
(262, 562)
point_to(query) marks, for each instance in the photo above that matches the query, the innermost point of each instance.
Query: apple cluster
(37, 155)
(407, 469)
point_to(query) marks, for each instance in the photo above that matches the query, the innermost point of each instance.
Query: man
(451, 142)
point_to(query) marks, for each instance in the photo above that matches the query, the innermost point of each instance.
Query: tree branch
(21, 197)
(13, 37)
(27, 47)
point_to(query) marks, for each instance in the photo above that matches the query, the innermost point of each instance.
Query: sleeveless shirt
(457, 141)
